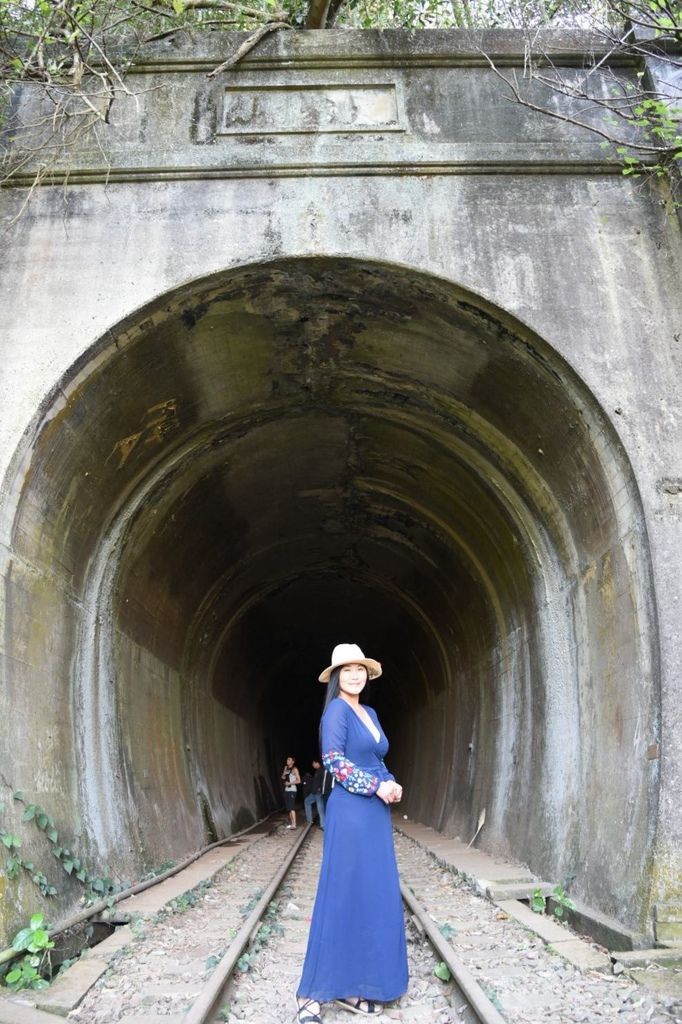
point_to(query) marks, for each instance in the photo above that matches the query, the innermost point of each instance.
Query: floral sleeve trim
(354, 779)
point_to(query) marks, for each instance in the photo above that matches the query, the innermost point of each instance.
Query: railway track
(232, 949)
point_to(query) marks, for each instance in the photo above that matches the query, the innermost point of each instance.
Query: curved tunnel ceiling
(312, 451)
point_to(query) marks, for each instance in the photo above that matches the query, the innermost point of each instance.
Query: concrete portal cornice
(462, 167)
(192, 50)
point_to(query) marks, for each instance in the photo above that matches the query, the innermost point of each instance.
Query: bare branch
(248, 45)
(227, 5)
(609, 136)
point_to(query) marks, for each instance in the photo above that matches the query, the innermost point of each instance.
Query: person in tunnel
(291, 780)
(356, 954)
(314, 793)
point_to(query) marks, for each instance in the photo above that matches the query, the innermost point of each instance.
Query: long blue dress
(356, 945)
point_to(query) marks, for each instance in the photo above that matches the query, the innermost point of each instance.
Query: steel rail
(484, 1010)
(200, 1010)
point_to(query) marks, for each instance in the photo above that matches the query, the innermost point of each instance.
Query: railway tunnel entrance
(294, 454)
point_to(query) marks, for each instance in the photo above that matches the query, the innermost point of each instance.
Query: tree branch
(248, 45)
(643, 147)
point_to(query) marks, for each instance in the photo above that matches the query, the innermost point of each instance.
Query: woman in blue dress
(356, 954)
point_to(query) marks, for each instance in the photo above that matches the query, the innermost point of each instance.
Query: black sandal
(355, 1006)
(304, 1015)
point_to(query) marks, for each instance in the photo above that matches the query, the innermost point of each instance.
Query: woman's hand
(390, 792)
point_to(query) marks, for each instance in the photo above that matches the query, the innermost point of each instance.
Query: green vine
(33, 969)
(95, 887)
(15, 863)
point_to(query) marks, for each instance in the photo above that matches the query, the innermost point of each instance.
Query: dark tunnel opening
(304, 453)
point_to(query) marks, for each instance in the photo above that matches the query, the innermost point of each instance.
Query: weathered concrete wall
(406, 375)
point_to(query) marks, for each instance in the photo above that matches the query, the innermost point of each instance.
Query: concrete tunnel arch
(285, 455)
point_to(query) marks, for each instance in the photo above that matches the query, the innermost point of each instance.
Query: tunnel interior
(290, 455)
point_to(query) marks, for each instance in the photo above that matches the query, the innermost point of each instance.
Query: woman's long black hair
(332, 692)
(333, 688)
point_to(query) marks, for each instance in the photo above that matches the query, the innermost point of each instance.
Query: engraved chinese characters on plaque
(275, 110)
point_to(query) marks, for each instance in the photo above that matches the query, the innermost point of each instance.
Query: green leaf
(12, 867)
(30, 813)
(537, 902)
(22, 939)
(244, 963)
(178, 6)
(52, 834)
(13, 976)
(40, 939)
(42, 820)
(37, 920)
(442, 971)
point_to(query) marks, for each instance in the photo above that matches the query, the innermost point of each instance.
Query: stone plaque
(276, 110)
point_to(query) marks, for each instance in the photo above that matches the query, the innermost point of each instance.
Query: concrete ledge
(547, 928)
(648, 957)
(518, 890)
(198, 49)
(667, 984)
(602, 929)
(105, 949)
(69, 989)
(152, 900)
(478, 867)
(559, 939)
(517, 161)
(582, 955)
(668, 924)
(14, 1012)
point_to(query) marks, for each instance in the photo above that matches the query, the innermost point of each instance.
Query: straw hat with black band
(350, 654)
